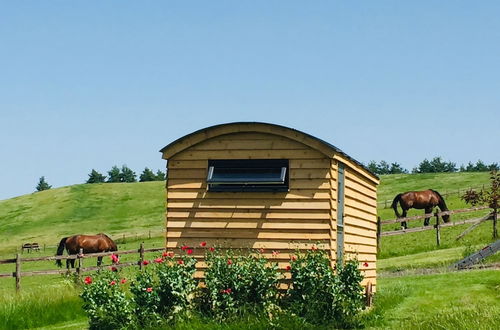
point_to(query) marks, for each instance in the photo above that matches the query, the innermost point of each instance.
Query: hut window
(260, 175)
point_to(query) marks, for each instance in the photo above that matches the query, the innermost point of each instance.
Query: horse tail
(395, 204)
(60, 250)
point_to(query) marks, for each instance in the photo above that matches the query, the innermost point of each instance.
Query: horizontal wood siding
(360, 208)
(284, 222)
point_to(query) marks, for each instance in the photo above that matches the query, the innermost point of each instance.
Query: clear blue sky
(92, 84)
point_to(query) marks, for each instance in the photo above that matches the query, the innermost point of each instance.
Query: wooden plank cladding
(303, 215)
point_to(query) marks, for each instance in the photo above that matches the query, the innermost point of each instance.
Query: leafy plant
(105, 302)
(146, 299)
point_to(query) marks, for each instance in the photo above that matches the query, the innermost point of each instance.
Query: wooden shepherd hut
(265, 186)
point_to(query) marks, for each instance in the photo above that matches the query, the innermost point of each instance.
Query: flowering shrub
(176, 287)
(146, 299)
(236, 283)
(319, 295)
(105, 302)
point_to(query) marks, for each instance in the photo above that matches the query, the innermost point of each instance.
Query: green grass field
(415, 301)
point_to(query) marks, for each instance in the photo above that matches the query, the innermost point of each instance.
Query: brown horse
(426, 199)
(89, 244)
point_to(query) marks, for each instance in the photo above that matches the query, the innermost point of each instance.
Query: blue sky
(92, 84)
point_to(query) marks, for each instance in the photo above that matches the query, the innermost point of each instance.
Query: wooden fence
(437, 226)
(18, 273)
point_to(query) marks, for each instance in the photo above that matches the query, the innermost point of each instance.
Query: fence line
(18, 274)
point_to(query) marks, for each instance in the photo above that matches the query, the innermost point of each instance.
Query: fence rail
(18, 274)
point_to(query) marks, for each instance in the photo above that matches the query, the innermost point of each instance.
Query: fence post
(141, 256)
(80, 262)
(495, 218)
(18, 272)
(438, 234)
(379, 232)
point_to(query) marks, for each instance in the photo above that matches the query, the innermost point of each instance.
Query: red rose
(88, 280)
(365, 264)
(123, 281)
(229, 262)
(314, 248)
(114, 269)
(112, 283)
(212, 249)
(184, 247)
(164, 254)
(180, 261)
(203, 244)
(158, 260)
(190, 251)
(115, 258)
(228, 290)
(149, 289)
(288, 267)
(145, 262)
(294, 258)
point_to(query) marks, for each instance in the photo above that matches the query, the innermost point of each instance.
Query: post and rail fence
(437, 226)
(18, 273)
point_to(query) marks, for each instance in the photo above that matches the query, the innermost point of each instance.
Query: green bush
(146, 299)
(319, 295)
(105, 302)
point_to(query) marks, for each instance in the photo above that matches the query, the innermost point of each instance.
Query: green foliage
(319, 295)
(96, 177)
(114, 174)
(176, 284)
(235, 283)
(105, 302)
(436, 165)
(42, 185)
(127, 175)
(146, 299)
(160, 176)
(384, 168)
(480, 166)
(147, 175)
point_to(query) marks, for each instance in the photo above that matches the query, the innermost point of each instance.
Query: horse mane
(445, 208)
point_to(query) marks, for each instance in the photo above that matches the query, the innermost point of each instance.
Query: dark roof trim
(329, 145)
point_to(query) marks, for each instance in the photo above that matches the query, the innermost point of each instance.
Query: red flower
(190, 251)
(88, 280)
(275, 253)
(115, 258)
(158, 260)
(164, 254)
(149, 289)
(145, 262)
(261, 250)
(229, 262)
(212, 249)
(203, 244)
(112, 283)
(314, 248)
(365, 264)
(293, 258)
(228, 290)
(114, 269)
(180, 261)
(288, 267)
(184, 247)
(123, 281)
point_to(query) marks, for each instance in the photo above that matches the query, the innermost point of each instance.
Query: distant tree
(372, 166)
(160, 176)
(397, 169)
(114, 174)
(147, 175)
(96, 177)
(436, 165)
(494, 167)
(383, 167)
(127, 175)
(43, 185)
(480, 166)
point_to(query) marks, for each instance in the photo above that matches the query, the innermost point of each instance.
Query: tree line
(435, 165)
(116, 174)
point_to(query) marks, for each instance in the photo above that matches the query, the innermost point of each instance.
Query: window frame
(243, 184)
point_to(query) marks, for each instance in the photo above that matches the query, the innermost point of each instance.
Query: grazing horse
(426, 199)
(89, 244)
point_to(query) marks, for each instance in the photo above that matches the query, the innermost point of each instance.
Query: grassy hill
(115, 208)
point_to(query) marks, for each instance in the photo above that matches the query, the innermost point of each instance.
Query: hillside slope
(46, 216)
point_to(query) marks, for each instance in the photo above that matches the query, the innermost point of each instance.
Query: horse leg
(403, 223)
(99, 261)
(426, 220)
